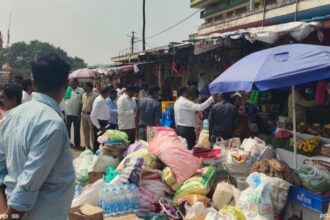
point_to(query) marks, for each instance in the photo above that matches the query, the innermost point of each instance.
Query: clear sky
(96, 30)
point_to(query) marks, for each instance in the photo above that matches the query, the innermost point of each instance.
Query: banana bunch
(308, 145)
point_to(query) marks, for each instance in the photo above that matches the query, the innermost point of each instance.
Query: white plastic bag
(101, 162)
(257, 148)
(223, 194)
(81, 166)
(90, 195)
(279, 193)
(238, 168)
(197, 210)
(255, 201)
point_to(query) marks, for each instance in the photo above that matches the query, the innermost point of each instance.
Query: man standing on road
(100, 115)
(87, 100)
(36, 169)
(127, 113)
(113, 109)
(73, 105)
(185, 118)
(149, 112)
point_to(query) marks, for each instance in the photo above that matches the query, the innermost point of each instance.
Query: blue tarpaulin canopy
(277, 67)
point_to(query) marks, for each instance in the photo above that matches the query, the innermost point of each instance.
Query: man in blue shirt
(36, 169)
(113, 109)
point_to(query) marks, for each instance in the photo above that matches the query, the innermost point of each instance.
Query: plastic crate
(166, 104)
(310, 200)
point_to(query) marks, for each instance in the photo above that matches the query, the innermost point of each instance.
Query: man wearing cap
(149, 112)
(184, 113)
(127, 113)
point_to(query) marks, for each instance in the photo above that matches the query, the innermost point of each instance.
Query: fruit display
(326, 131)
(302, 127)
(308, 145)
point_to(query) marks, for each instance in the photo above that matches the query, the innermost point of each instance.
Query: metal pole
(144, 26)
(264, 13)
(294, 127)
(132, 42)
(296, 12)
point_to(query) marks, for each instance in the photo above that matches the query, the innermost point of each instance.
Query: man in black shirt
(149, 112)
(223, 119)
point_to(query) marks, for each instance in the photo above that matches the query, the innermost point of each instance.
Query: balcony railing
(222, 7)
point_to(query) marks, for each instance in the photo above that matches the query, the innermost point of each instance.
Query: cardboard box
(123, 217)
(86, 212)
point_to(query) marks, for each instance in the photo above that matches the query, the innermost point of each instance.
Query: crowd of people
(36, 171)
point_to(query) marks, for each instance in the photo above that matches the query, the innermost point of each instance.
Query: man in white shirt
(127, 113)
(28, 89)
(73, 106)
(184, 112)
(100, 115)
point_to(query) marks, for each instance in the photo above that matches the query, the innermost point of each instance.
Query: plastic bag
(314, 177)
(101, 162)
(167, 147)
(151, 189)
(200, 183)
(279, 194)
(194, 198)
(89, 196)
(227, 145)
(258, 149)
(135, 147)
(238, 163)
(203, 140)
(168, 177)
(198, 210)
(115, 135)
(131, 172)
(149, 159)
(223, 194)
(233, 212)
(81, 165)
(255, 201)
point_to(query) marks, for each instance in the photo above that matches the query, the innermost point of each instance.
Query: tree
(21, 54)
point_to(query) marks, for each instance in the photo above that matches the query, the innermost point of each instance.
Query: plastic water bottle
(135, 198)
(104, 199)
(122, 200)
(115, 203)
(127, 198)
(206, 125)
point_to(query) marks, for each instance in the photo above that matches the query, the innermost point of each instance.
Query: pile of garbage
(162, 179)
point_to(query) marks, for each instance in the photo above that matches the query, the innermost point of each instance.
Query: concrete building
(228, 15)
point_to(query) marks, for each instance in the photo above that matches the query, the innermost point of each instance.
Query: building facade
(228, 15)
